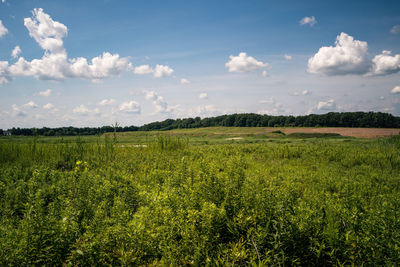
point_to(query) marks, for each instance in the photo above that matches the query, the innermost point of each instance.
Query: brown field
(355, 132)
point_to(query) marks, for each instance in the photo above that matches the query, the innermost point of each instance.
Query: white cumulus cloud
(203, 96)
(326, 105)
(204, 111)
(107, 102)
(16, 111)
(348, 56)
(5, 75)
(160, 105)
(45, 92)
(3, 30)
(101, 67)
(82, 109)
(396, 90)
(158, 72)
(131, 107)
(244, 63)
(287, 57)
(16, 51)
(385, 63)
(185, 81)
(143, 69)
(274, 108)
(308, 21)
(55, 65)
(49, 106)
(30, 104)
(46, 32)
(162, 71)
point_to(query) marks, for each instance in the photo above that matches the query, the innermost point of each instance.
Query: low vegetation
(200, 200)
(331, 119)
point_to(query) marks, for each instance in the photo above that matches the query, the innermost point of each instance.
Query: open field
(354, 132)
(216, 196)
(220, 135)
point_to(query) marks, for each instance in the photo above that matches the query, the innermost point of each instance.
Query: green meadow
(209, 196)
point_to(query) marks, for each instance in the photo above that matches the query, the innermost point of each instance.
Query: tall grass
(319, 202)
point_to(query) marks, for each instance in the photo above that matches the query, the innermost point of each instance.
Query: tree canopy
(331, 119)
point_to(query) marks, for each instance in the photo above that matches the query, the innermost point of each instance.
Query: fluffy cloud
(45, 92)
(274, 108)
(203, 96)
(287, 57)
(55, 65)
(46, 32)
(395, 29)
(185, 81)
(16, 111)
(396, 90)
(308, 21)
(107, 102)
(158, 72)
(326, 105)
(101, 67)
(162, 71)
(385, 63)
(323, 107)
(16, 51)
(131, 107)
(204, 111)
(244, 63)
(49, 106)
(50, 67)
(21, 111)
(30, 104)
(348, 56)
(83, 110)
(4, 72)
(161, 106)
(304, 92)
(3, 30)
(143, 69)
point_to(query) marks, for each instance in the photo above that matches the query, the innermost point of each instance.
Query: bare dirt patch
(354, 132)
(234, 138)
(133, 145)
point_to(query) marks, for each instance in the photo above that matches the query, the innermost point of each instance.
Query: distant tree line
(331, 119)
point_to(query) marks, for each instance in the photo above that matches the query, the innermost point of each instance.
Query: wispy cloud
(308, 21)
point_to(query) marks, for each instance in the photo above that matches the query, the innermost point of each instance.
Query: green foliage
(278, 132)
(167, 142)
(314, 202)
(314, 135)
(331, 119)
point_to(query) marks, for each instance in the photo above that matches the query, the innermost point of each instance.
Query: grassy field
(209, 135)
(211, 196)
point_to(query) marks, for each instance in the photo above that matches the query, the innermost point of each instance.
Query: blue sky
(154, 60)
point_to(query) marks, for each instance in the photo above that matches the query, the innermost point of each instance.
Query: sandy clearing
(134, 145)
(234, 138)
